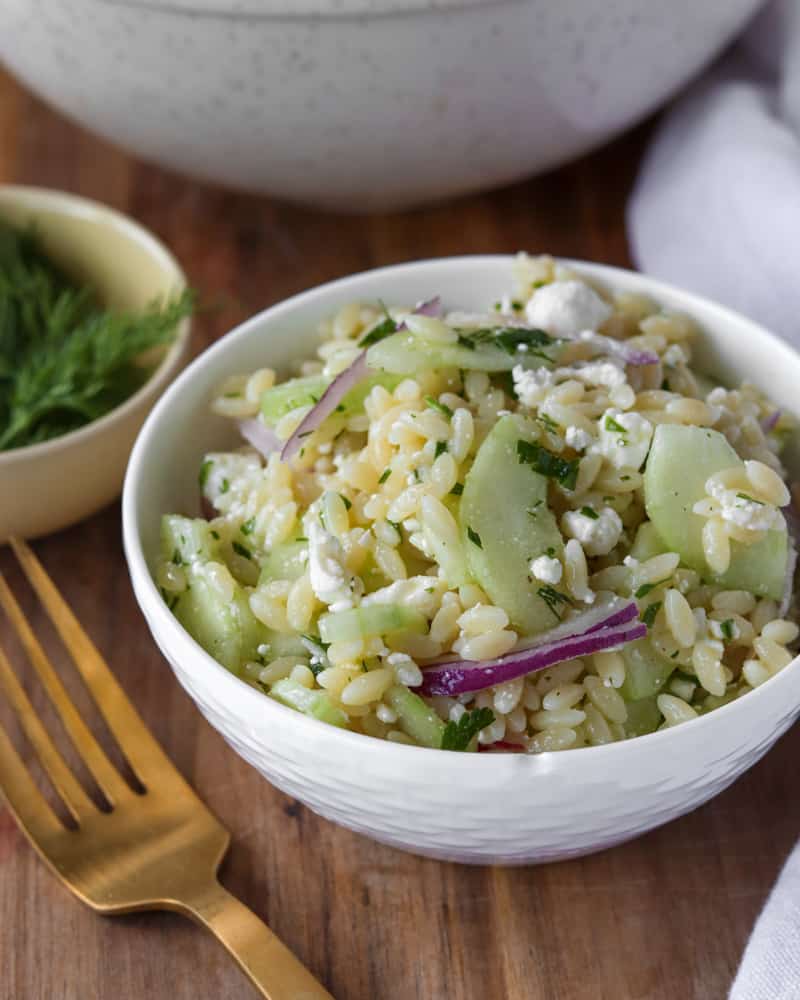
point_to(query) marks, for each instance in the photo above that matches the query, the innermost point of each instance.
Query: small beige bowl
(51, 485)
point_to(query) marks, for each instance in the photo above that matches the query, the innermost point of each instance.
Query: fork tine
(24, 799)
(104, 772)
(64, 781)
(142, 751)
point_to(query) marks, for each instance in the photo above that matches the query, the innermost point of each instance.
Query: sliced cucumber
(404, 354)
(317, 704)
(306, 391)
(680, 461)
(415, 717)
(285, 562)
(374, 619)
(647, 543)
(643, 717)
(506, 523)
(646, 670)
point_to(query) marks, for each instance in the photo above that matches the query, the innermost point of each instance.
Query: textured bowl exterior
(485, 808)
(364, 104)
(48, 486)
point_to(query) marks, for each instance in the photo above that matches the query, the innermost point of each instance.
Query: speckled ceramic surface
(481, 808)
(361, 103)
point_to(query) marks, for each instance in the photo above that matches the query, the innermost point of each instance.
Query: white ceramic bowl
(361, 103)
(49, 486)
(483, 808)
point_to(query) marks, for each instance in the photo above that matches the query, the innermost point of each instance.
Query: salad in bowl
(536, 527)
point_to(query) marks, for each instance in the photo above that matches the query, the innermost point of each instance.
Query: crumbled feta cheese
(229, 476)
(546, 569)
(598, 535)
(565, 308)
(423, 593)
(578, 438)
(741, 509)
(608, 374)
(405, 669)
(624, 438)
(531, 385)
(330, 580)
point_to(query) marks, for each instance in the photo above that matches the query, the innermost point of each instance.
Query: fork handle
(275, 972)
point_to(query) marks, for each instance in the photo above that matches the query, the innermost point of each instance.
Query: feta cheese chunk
(741, 509)
(330, 580)
(422, 593)
(546, 569)
(598, 535)
(565, 308)
(624, 439)
(578, 438)
(531, 385)
(228, 477)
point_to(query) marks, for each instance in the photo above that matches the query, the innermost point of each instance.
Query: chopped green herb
(430, 590)
(550, 552)
(749, 499)
(417, 476)
(516, 305)
(459, 735)
(625, 478)
(172, 604)
(548, 464)
(205, 468)
(466, 342)
(241, 550)
(611, 424)
(533, 510)
(441, 448)
(727, 628)
(232, 395)
(176, 558)
(675, 655)
(457, 490)
(590, 512)
(554, 599)
(547, 422)
(665, 385)
(539, 284)
(340, 409)
(474, 537)
(648, 616)
(395, 524)
(436, 405)
(498, 307)
(214, 534)
(347, 503)
(301, 538)
(384, 329)
(247, 527)
(225, 485)
(385, 475)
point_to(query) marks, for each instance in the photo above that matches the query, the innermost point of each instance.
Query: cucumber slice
(306, 391)
(405, 354)
(285, 562)
(375, 619)
(506, 523)
(646, 671)
(317, 704)
(680, 461)
(228, 631)
(185, 540)
(415, 717)
(647, 543)
(643, 717)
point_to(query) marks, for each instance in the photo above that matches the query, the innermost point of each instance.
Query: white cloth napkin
(716, 208)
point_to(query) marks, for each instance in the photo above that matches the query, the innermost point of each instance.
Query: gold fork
(156, 850)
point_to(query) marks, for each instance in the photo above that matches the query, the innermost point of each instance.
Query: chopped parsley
(241, 550)
(565, 471)
(611, 424)
(384, 329)
(547, 422)
(749, 499)
(214, 534)
(176, 558)
(590, 512)
(395, 524)
(247, 527)
(533, 510)
(511, 339)
(648, 616)
(441, 448)
(385, 475)
(436, 405)
(474, 537)
(457, 490)
(645, 589)
(225, 485)
(727, 628)
(205, 469)
(459, 735)
(554, 599)
(347, 503)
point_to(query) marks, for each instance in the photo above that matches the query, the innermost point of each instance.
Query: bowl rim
(157, 614)
(68, 204)
(301, 10)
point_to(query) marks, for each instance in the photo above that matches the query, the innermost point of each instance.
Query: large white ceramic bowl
(361, 103)
(508, 808)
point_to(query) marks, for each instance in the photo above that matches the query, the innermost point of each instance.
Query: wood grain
(662, 918)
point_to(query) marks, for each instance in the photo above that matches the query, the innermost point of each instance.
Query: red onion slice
(465, 676)
(431, 307)
(330, 399)
(261, 437)
(769, 423)
(604, 614)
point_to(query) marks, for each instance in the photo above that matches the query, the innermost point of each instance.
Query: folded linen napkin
(716, 208)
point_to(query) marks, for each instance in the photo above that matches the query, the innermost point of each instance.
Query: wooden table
(663, 918)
